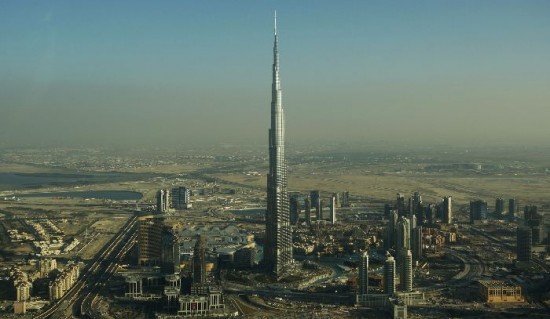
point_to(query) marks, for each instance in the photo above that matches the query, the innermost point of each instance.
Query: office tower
(149, 240)
(389, 275)
(413, 222)
(391, 228)
(530, 212)
(315, 197)
(163, 201)
(199, 261)
(512, 209)
(416, 243)
(333, 209)
(430, 214)
(170, 253)
(345, 199)
(278, 240)
(400, 204)
(244, 258)
(406, 273)
(307, 209)
(294, 209)
(499, 207)
(478, 211)
(363, 288)
(403, 235)
(534, 220)
(523, 244)
(416, 202)
(447, 210)
(180, 198)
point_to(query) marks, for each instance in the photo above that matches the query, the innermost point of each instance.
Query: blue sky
(188, 72)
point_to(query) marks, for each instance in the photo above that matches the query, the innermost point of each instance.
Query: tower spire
(275, 25)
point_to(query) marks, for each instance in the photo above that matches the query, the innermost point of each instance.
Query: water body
(10, 181)
(108, 194)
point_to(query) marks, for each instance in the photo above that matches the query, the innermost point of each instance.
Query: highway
(96, 269)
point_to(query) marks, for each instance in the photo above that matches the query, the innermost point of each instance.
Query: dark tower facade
(199, 261)
(278, 240)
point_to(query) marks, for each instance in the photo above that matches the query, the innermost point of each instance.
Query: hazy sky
(189, 72)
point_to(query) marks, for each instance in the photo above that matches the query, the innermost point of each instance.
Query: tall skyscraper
(524, 241)
(278, 240)
(478, 211)
(333, 209)
(447, 210)
(512, 208)
(416, 243)
(363, 288)
(199, 261)
(389, 274)
(499, 207)
(307, 210)
(163, 201)
(149, 240)
(403, 235)
(406, 273)
(294, 209)
(400, 204)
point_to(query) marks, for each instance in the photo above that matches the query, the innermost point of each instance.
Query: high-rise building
(163, 201)
(307, 210)
(149, 240)
(316, 202)
(278, 239)
(416, 243)
(523, 244)
(478, 211)
(389, 274)
(447, 210)
(512, 208)
(430, 214)
(416, 202)
(391, 229)
(534, 220)
(363, 274)
(180, 198)
(294, 209)
(199, 261)
(333, 209)
(170, 253)
(406, 273)
(403, 235)
(499, 207)
(400, 204)
(46, 266)
(345, 199)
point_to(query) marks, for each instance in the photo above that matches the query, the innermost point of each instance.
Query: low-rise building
(499, 291)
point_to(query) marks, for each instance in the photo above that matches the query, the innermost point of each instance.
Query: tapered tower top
(275, 25)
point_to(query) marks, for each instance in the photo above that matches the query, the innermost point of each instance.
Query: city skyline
(429, 72)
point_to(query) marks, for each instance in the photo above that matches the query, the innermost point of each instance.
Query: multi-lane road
(80, 298)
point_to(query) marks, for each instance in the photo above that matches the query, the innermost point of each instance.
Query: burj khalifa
(278, 240)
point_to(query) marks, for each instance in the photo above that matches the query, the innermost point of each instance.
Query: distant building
(307, 210)
(333, 209)
(163, 201)
(245, 258)
(499, 207)
(345, 199)
(199, 261)
(512, 208)
(406, 274)
(400, 204)
(391, 231)
(534, 220)
(180, 198)
(403, 235)
(363, 287)
(170, 253)
(478, 211)
(496, 291)
(46, 266)
(447, 210)
(389, 275)
(523, 244)
(294, 209)
(149, 240)
(416, 243)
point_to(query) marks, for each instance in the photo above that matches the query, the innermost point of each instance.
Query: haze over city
(153, 73)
